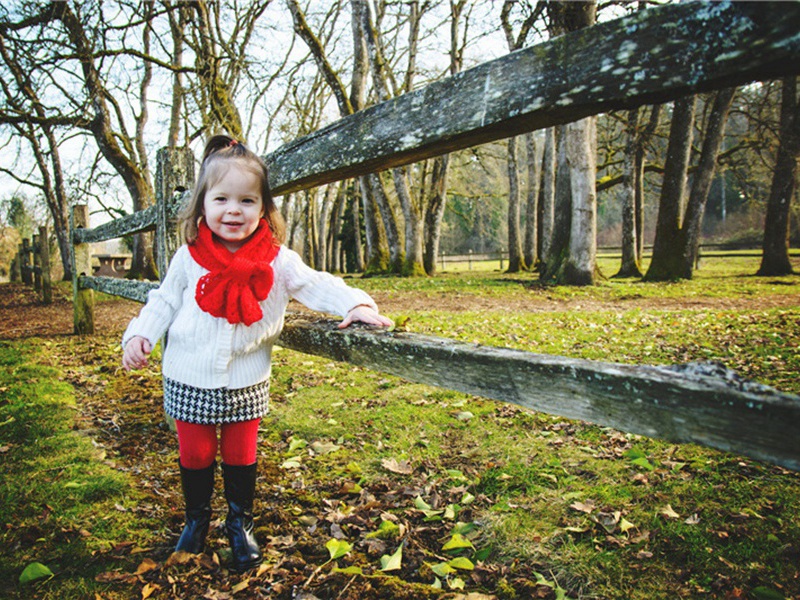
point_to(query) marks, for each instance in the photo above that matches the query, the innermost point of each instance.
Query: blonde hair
(218, 151)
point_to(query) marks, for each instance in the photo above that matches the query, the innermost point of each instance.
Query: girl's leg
(238, 442)
(197, 444)
(238, 448)
(198, 449)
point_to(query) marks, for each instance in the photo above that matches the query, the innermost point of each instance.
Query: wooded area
(211, 57)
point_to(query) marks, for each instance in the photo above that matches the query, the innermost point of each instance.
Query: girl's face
(233, 205)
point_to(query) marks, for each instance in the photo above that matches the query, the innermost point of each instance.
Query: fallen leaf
(393, 562)
(693, 520)
(178, 558)
(34, 571)
(146, 565)
(403, 467)
(338, 548)
(457, 541)
(668, 512)
(148, 590)
(585, 507)
(324, 447)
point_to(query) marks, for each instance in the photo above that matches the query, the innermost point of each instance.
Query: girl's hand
(135, 354)
(365, 314)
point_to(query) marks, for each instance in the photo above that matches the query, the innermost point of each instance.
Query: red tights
(198, 443)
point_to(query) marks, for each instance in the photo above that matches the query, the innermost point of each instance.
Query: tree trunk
(323, 226)
(549, 162)
(701, 184)
(377, 258)
(516, 262)
(177, 27)
(530, 246)
(414, 225)
(666, 261)
(581, 144)
(562, 210)
(775, 257)
(630, 266)
(641, 141)
(434, 212)
(574, 262)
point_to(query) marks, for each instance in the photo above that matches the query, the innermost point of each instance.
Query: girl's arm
(324, 292)
(158, 313)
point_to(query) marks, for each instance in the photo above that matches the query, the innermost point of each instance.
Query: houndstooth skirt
(215, 406)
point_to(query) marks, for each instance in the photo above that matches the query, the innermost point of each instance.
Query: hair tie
(233, 143)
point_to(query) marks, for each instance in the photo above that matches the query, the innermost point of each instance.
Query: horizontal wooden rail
(143, 220)
(653, 56)
(702, 403)
(132, 290)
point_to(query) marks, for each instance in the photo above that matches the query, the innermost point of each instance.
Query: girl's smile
(233, 206)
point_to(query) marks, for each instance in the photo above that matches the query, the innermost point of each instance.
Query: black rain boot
(198, 486)
(240, 487)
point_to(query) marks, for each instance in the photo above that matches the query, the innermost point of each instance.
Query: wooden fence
(614, 65)
(31, 265)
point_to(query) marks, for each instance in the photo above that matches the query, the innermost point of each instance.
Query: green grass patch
(61, 505)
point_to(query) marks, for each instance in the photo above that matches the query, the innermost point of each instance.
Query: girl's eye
(219, 199)
(248, 200)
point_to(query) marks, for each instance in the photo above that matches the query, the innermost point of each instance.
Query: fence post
(442, 257)
(82, 299)
(15, 273)
(501, 258)
(44, 262)
(174, 173)
(469, 259)
(25, 261)
(37, 265)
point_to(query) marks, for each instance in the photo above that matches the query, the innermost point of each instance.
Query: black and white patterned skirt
(215, 406)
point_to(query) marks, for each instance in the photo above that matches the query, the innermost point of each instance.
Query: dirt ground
(22, 314)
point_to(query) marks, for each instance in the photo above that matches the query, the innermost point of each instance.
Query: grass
(62, 504)
(596, 512)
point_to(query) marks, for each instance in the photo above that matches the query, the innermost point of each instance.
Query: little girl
(222, 304)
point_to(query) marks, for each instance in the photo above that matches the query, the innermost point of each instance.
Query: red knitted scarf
(237, 281)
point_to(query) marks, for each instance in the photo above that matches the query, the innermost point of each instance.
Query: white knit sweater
(208, 352)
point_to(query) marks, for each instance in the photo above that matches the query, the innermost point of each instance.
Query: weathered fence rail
(654, 56)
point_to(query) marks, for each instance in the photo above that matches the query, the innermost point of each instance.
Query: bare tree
(571, 257)
(775, 258)
(516, 259)
(219, 42)
(633, 190)
(27, 114)
(678, 229)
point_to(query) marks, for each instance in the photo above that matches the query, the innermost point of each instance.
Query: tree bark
(630, 266)
(574, 262)
(666, 262)
(531, 243)
(581, 144)
(775, 258)
(562, 211)
(549, 162)
(639, 170)
(701, 184)
(434, 212)
(516, 257)
(516, 262)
